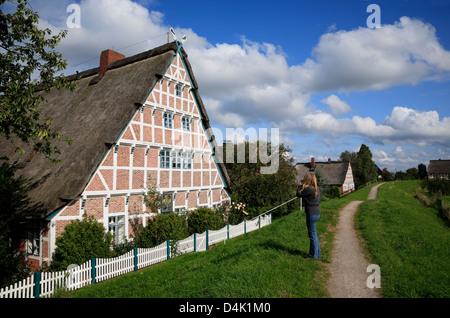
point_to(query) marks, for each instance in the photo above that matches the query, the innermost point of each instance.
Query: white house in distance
(335, 173)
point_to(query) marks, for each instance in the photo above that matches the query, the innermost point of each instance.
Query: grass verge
(408, 241)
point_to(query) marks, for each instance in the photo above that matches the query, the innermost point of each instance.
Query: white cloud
(418, 126)
(337, 106)
(406, 52)
(248, 83)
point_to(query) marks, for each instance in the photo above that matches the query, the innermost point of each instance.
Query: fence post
(207, 238)
(168, 249)
(135, 259)
(37, 285)
(259, 221)
(195, 242)
(245, 227)
(228, 231)
(93, 270)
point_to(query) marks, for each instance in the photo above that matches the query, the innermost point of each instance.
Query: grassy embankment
(270, 262)
(408, 240)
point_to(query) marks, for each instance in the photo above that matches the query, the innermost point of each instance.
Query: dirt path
(348, 264)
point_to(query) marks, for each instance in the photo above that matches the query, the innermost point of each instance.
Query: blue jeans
(314, 246)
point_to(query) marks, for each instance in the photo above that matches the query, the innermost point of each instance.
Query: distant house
(334, 173)
(439, 169)
(136, 123)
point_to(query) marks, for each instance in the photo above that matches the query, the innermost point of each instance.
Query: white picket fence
(44, 284)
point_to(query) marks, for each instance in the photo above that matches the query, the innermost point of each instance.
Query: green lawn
(409, 242)
(269, 262)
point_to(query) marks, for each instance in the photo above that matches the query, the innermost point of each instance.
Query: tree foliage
(363, 167)
(80, 241)
(160, 228)
(29, 64)
(14, 206)
(258, 191)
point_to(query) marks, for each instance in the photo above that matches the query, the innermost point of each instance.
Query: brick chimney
(107, 57)
(313, 164)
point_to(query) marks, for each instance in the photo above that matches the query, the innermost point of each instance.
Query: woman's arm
(301, 193)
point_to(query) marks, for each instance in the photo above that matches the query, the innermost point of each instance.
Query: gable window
(176, 160)
(116, 226)
(168, 119)
(164, 159)
(166, 203)
(178, 90)
(187, 160)
(186, 124)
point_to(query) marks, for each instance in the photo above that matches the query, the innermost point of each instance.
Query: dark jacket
(311, 203)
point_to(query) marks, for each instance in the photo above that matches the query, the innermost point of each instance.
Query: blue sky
(312, 69)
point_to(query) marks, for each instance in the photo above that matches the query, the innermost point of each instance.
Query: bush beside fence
(44, 284)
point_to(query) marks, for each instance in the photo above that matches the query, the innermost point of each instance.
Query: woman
(309, 191)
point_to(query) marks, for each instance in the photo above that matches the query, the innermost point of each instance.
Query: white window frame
(164, 159)
(176, 160)
(187, 160)
(168, 120)
(178, 90)
(116, 225)
(185, 121)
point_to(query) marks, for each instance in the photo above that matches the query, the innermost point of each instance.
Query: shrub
(335, 192)
(80, 241)
(236, 213)
(160, 228)
(441, 186)
(202, 219)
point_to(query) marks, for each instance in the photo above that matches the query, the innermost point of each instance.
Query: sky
(318, 71)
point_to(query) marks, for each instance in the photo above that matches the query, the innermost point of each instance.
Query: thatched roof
(333, 172)
(93, 116)
(439, 166)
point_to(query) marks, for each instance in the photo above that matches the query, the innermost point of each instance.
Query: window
(186, 124)
(176, 160)
(164, 159)
(116, 226)
(180, 211)
(166, 203)
(168, 118)
(187, 160)
(33, 240)
(178, 90)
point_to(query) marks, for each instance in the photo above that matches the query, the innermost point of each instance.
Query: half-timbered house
(136, 123)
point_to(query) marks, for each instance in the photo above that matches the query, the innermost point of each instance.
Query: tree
(412, 173)
(262, 191)
(363, 167)
(422, 171)
(26, 52)
(14, 207)
(80, 241)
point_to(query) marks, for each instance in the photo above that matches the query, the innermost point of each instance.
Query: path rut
(348, 265)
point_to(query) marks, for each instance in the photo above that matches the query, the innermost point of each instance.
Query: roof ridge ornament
(174, 37)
